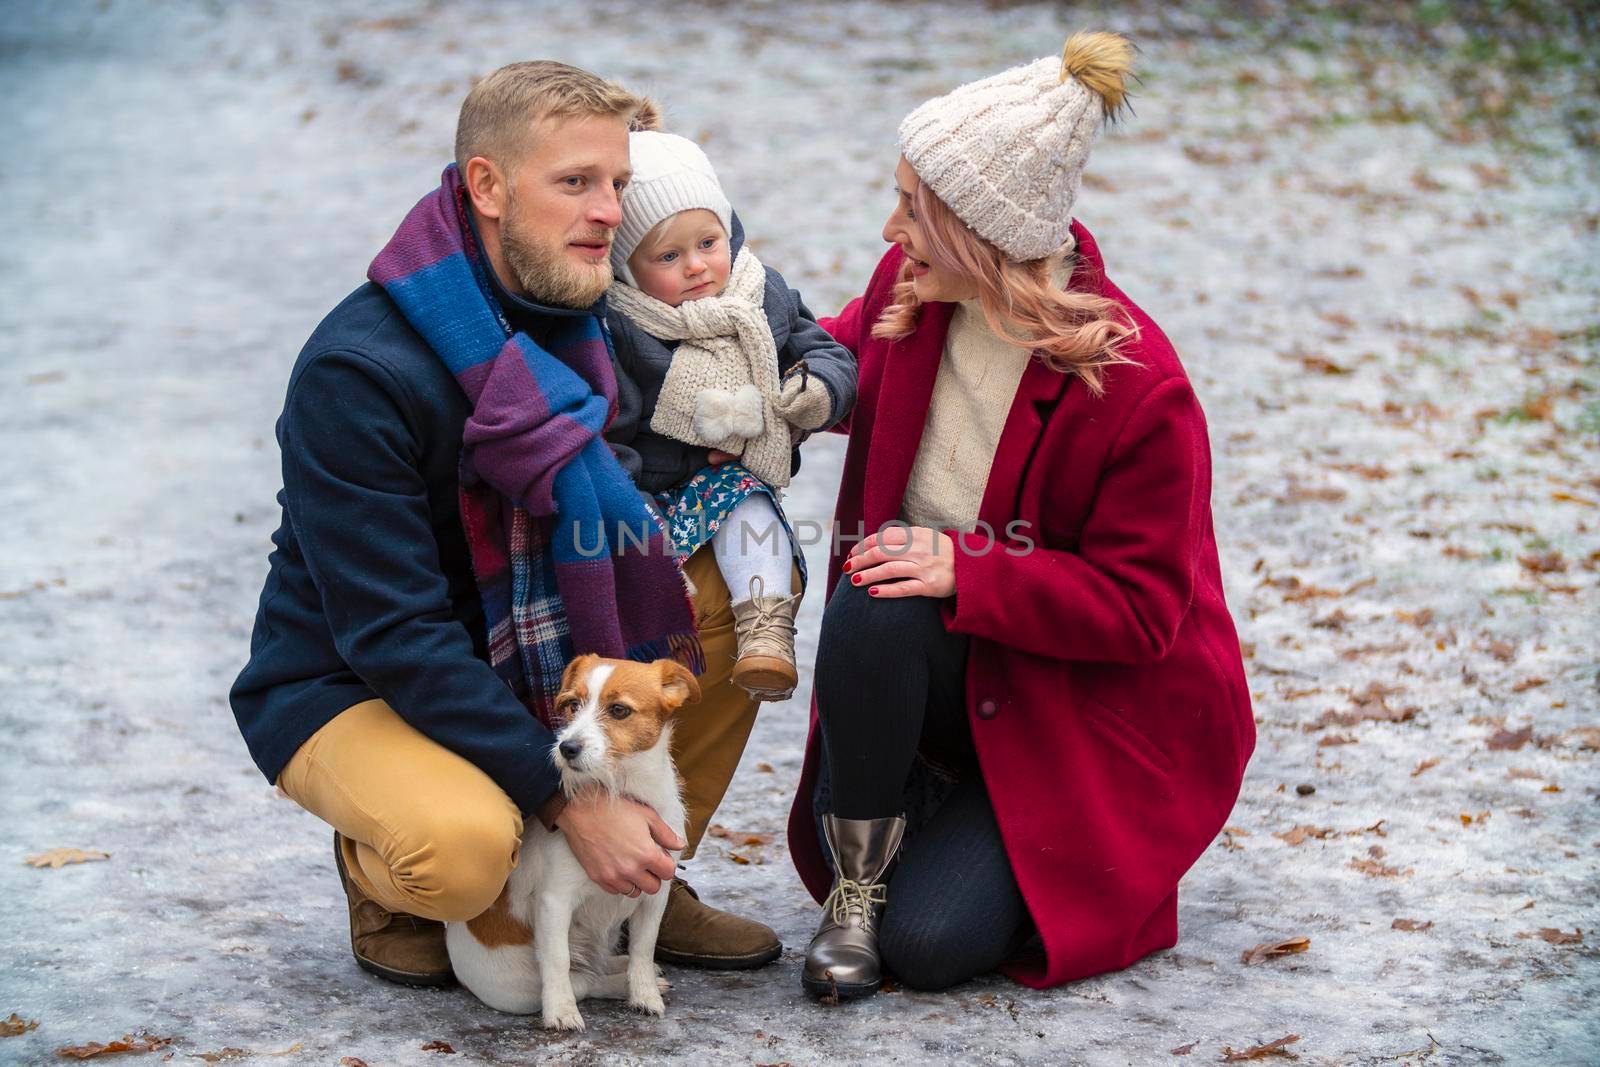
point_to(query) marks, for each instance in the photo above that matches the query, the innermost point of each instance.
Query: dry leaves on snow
(1279, 1047)
(1184, 1050)
(61, 857)
(439, 1046)
(1411, 925)
(1372, 866)
(1510, 740)
(225, 1054)
(16, 1026)
(1554, 936)
(1298, 835)
(1430, 762)
(1271, 950)
(127, 1043)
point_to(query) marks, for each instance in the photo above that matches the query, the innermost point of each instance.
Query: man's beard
(543, 269)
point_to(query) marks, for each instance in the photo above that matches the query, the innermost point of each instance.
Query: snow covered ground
(1380, 270)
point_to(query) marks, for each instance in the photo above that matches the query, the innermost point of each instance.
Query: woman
(1033, 679)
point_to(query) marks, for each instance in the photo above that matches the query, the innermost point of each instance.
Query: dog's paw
(563, 1017)
(649, 1001)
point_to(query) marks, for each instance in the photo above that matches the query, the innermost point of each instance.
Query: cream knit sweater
(977, 380)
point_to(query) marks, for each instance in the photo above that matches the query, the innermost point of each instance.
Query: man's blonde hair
(498, 115)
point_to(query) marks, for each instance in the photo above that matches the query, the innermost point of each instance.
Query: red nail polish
(873, 591)
(855, 580)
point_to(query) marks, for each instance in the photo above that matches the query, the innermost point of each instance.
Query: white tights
(752, 543)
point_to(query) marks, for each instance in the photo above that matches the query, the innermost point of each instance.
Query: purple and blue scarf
(567, 557)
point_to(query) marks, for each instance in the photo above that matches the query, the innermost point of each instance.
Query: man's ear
(678, 686)
(578, 667)
(486, 185)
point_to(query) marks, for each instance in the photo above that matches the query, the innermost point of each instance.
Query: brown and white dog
(550, 940)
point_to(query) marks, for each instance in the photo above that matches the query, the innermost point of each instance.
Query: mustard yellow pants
(427, 833)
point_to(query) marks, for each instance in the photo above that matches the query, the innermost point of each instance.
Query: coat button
(988, 709)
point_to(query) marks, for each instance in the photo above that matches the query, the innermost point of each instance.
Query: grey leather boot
(843, 961)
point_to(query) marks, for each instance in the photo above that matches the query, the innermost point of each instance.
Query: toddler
(716, 354)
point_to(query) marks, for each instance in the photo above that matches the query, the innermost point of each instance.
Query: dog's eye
(567, 709)
(619, 711)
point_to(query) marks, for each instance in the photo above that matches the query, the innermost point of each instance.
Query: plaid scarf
(555, 526)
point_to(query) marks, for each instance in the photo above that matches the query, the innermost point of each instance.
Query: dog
(550, 940)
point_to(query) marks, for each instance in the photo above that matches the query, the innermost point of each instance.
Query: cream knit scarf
(723, 381)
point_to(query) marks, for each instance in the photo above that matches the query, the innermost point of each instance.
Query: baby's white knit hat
(670, 174)
(1006, 154)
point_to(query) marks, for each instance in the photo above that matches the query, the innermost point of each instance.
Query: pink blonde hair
(1074, 332)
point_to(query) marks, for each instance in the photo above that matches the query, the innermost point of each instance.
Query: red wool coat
(1105, 685)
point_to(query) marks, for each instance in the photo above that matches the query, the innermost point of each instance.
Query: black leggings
(890, 680)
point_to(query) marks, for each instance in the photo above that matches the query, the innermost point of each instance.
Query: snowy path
(1392, 326)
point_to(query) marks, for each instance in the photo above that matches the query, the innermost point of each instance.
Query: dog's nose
(571, 748)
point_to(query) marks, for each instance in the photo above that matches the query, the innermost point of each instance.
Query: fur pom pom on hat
(1006, 153)
(670, 174)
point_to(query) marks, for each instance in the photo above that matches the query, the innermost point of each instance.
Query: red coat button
(988, 709)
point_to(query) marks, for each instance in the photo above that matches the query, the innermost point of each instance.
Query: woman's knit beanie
(670, 174)
(1006, 154)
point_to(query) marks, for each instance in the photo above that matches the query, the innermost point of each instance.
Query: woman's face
(931, 283)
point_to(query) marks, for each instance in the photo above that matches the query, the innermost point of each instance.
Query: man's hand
(621, 843)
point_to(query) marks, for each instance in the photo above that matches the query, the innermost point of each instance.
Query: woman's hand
(924, 559)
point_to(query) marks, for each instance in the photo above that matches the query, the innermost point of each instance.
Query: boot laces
(771, 628)
(851, 896)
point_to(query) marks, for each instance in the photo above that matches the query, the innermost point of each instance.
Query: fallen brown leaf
(1374, 869)
(1184, 1050)
(439, 1046)
(290, 1051)
(1299, 834)
(1587, 737)
(1554, 936)
(1504, 651)
(764, 767)
(1529, 683)
(1510, 740)
(1336, 739)
(57, 858)
(352, 1061)
(1478, 819)
(127, 1043)
(16, 1026)
(1412, 925)
(1271, 950)
(1279, 1047)
(1322, 365)
(1551, 562)
(222, 1055)
(1431, 761)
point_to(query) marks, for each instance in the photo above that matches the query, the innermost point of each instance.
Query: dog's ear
(678, 685)
(576, 669)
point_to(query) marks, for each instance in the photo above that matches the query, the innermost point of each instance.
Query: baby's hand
(803, 402)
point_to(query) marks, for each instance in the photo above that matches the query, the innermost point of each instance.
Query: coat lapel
(904, 393)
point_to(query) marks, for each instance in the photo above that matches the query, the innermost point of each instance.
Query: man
(376, 696)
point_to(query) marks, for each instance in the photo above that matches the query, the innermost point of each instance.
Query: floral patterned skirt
(696, 509)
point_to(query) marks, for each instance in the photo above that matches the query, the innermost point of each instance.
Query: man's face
(563, 204)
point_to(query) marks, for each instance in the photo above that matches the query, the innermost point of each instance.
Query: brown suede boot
(765, 628)
(697, 935)
(392, 944)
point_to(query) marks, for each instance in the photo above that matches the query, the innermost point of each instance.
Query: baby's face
(684, 258)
